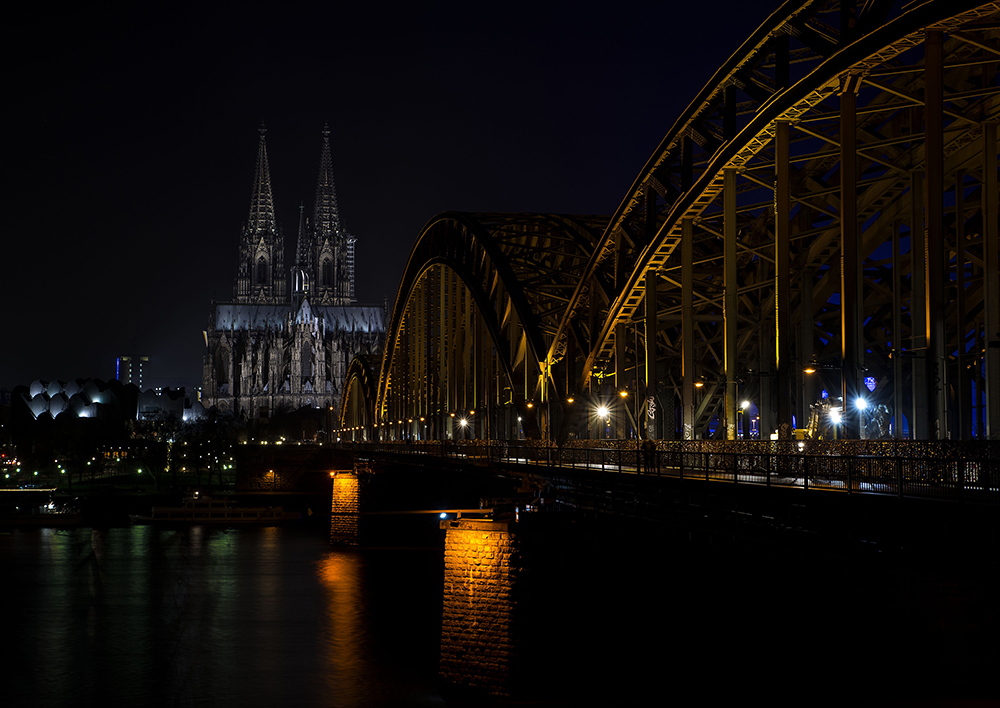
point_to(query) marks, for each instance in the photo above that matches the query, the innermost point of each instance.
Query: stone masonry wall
(476, 630)
(344, 509)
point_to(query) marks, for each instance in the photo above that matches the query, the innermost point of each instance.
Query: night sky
(132, 135)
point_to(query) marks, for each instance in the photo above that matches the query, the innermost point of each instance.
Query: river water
(189, 617)
(144, 616)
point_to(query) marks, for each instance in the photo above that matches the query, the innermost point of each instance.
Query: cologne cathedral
(286, 338)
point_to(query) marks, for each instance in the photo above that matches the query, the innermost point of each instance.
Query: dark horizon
(135, 137)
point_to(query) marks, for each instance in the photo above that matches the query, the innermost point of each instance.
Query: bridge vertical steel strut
(687, 326)
(783, 333)
(850, 283)
(991, 276)
(730, 287)
(937, 263)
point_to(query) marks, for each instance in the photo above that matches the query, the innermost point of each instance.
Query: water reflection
(342, 645)
(200, 616)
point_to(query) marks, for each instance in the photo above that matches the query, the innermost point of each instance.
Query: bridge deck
(971, 480)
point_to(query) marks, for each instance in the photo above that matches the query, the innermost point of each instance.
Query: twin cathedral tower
(286, 338)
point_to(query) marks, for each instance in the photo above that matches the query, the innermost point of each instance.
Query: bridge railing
(962, 472)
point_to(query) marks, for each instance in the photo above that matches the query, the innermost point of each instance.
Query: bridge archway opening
(485, 288)
(357, 405)
(454, 374)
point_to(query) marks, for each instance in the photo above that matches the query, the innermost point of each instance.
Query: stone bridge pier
(345, 507)
(477, 641)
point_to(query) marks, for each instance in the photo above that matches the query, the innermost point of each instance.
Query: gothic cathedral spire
(334, 247)
(326, 217)
(261, 274)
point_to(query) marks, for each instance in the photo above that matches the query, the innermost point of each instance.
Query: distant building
(60, 418)
(94, 398)
(286, 338)
(81, 398)
(177, 403)
(128, 369)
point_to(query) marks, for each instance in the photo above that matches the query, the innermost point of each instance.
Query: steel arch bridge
(813, 245)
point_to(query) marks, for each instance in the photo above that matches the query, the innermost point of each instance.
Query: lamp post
(624, 396)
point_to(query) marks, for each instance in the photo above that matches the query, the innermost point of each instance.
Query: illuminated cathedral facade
(286, 338)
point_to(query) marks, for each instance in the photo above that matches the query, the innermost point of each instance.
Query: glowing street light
(860, 403)
(602, 412)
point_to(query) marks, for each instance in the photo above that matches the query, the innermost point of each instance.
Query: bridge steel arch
(828, 202)
(479, 300)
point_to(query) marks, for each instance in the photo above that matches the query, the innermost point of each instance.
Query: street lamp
(744, 410)
(603, 413)
(835, 417)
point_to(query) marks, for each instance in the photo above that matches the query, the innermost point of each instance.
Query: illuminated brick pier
(477, 650)
(344, 508)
